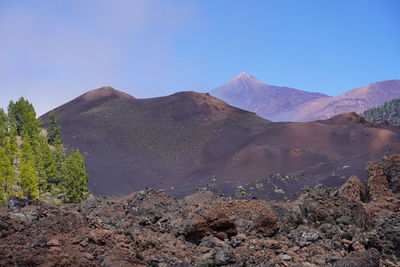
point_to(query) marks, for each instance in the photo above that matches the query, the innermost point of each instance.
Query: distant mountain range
(287, 104)
(189, 140)
(355, 100)
(276, 103)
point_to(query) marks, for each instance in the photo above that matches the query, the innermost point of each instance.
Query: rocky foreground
(354, 225)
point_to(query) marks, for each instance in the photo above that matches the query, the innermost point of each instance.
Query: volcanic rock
(303, 236)
(370, 258)
(321, 228)
(353, 189)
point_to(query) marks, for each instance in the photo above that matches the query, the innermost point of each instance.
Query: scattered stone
(89, 257)
(100, 236)
(285, 257)
(163, 220)
(303, 236)
(54, 242)
(266, 223)
(216, 224)
(236, 241)
(223, 256)
(347, 236)
(16, 203)
(145, 222)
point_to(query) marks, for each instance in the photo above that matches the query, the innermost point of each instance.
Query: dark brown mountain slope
(276, 103)
(187, 139)
(133, 143)
(89, 100)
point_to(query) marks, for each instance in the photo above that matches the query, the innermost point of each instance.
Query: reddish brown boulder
(100, 236)
(353, 189)
(383, 199)
(378, 186)
(391, 168)
(216, 224)
(266, 223)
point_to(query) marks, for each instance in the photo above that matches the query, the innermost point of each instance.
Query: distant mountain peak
(104, 92)
(269, 101)
(245, 78)
(245, 75)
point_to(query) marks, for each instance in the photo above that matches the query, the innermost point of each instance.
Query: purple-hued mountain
(355, 100)
(275, 103)
(279, 103)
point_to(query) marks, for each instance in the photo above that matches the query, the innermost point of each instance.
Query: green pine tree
(2, 193)
(75, 178)
(32, 165)
(11, 147)
(22, 118)
(59, 157)
(11, 153)
(3, 127)
(28, 179)
(51, 173)
(3, 176)
(389, 111)
(37, 144)
(7, 176)
(54, 130)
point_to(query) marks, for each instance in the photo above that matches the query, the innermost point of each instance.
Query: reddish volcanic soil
(188, 141)
(357, 224)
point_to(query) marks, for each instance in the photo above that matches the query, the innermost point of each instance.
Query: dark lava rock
(16, 203)
(223, 255)
(391, 167)
(354, 190)
(388, 231)
(266, 223)
(215, 224)
(324, 227)
(319, 206)
(304, 236)
(369, 258)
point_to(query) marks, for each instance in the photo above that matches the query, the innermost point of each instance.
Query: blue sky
(51, 50)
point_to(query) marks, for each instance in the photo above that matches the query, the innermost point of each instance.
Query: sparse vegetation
(289, 177)
(390, 111)
(34, 165)
(240, 192)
